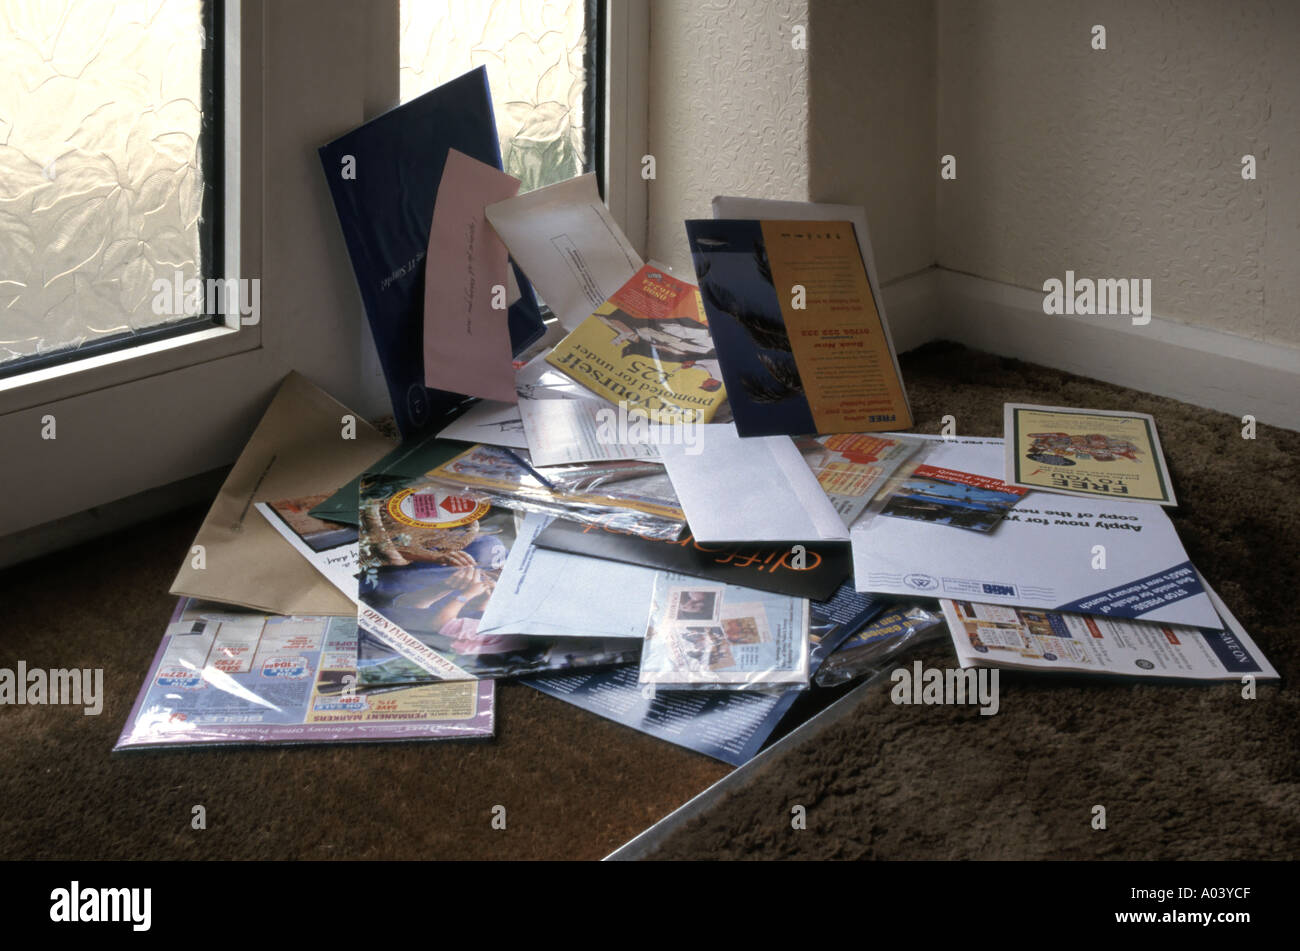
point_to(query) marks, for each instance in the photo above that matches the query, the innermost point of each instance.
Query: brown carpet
(1183, 771)
(574, 785)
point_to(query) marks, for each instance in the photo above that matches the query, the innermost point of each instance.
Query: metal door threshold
(646, 842)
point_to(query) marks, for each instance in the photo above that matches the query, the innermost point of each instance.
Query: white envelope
(545, 593)
(749, 490)
(568, 244)
(1041, 555)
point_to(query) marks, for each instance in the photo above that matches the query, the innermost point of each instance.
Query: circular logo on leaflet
(429, 508)
(921, 582)
(1145, 664)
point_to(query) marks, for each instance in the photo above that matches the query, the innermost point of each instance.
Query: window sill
(74, 377)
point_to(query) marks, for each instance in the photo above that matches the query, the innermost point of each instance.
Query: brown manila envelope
(297, 450)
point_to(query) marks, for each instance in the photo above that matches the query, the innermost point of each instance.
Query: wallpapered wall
(871, 122)
(728, 111)
(1127, 162)
(1117, 163)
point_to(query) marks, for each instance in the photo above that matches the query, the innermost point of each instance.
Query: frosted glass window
(538, 62)
(101, 183)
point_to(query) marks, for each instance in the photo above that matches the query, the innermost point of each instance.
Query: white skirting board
(1209, 368)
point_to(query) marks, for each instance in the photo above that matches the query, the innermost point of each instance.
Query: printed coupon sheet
(1054, 552)
(225, 676)
(852, 467)
(722, 635)
(993, 635)
(1088, 452)
(946, 496)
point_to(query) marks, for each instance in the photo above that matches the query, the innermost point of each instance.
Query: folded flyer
(800, 341)
(728, 725)
(703, 634)
(1055, 552)
(992, 635)
(647, 347)
(225, 676)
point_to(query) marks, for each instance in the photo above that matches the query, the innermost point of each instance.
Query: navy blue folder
(386, 211)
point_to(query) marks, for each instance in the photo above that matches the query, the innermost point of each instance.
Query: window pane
(537, 60)
(101, 186)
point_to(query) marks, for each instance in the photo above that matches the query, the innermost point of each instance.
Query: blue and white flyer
(989, 635)
(1057, 552)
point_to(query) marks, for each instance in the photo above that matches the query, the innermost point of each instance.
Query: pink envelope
(466, 338)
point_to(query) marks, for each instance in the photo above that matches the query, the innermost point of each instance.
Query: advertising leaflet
(224, 676)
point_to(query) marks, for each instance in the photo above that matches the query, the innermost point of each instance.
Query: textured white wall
(1117, 163)
(872, 122)
(1127, 162)
(728, 111)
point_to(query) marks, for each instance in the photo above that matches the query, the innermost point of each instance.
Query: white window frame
(299, 73)
(627, 115)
